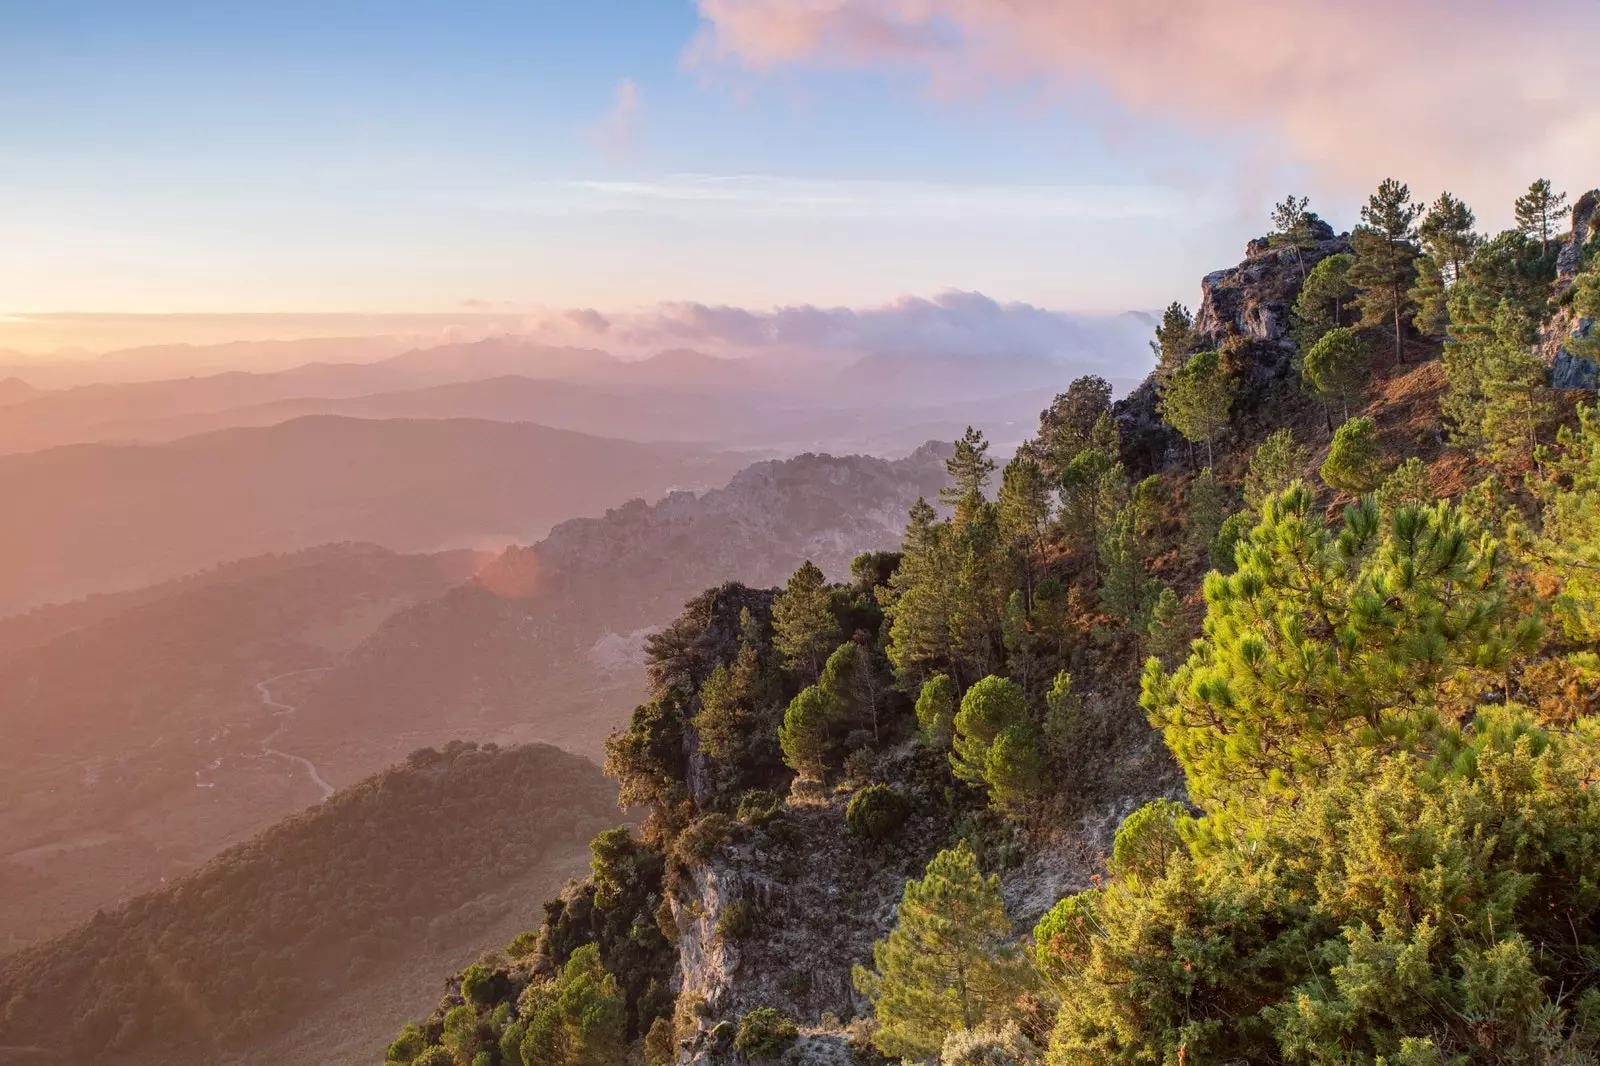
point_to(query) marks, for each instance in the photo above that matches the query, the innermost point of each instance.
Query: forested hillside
(137, 723)
(397, 867)
(1309, 620)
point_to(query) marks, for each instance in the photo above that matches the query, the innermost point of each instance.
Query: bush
(660, 1045)
(759, 806)
(700, 840)
(876, 812)
(1006, 1046)
(1234, 529)
(765, 1034)
(737, 920)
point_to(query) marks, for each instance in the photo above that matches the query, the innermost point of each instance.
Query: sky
(283, 157)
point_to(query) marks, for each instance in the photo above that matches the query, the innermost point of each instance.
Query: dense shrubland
(1378, 702)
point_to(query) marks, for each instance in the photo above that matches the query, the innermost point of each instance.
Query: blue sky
(404, 155)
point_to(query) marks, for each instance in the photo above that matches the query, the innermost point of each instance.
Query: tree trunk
(1399, 350)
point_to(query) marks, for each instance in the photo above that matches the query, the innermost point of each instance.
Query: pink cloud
(1477, 95)
(615, 131)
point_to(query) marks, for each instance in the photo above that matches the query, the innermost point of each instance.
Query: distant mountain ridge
(102, 517)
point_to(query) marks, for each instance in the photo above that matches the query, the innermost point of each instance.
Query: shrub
(434, 1056)
(737, 920)
(660, 1044)
(700, 840)
(759, 806)
(876, 812)
(407, 1046)
(1006, 1046)
(1234, 529)
(765, 1034)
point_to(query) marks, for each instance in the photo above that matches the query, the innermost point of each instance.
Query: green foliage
(1323, 640)
(1293, 228)
(1386, 252)
(1197, 398)
(703, 837)
(1165, 634)
(1355, 459)
(936, 711)
(737, 920)
(1175, 340)
(577, 1019)
(407, 1046)
(1203, 513)
(1539, 212)
(1147, 840)
(804, 628)
(1338, 366)
(1449, 235)
(660, 1044)
(1498, 388)
(804, 733)
(1324, 299)
(1392, 913)
(876, 812)
(1068, 425)
(970, 469)
(1429, 297)
(1235, 527)
(765, 1034)
(987, 1046)
(1276, 464)
(988, 709)
(1406, 486)
(947, 965)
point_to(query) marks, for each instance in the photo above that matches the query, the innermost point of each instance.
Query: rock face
(1253, 300)
(1569, 370)
(1246, 307)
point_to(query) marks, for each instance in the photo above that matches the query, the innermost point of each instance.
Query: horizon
(527, 160)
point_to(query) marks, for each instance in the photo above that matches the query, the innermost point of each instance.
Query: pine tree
(988, 709)
(1203, 513)
(1164, 634)
(1292, 228)
(947, 965)
(1429, 296)
(1323, 299)
(936, 711)
(1338, 366)
(804, 733)
(920, 600)
(1175, 339)
(1448, 236)
(970, 469)
(1067, 426)
(1024, 501)
(804, 628)
(1322, 640)
(578, 1019)
(1407, 486)
(728, 699)
(1539, 212)
(1197, 398)
(1355, 459)
(1277, 463)
(1126, 591)
(1385, 250)
(1515, 388)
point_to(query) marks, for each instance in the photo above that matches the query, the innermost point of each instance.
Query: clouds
(950, 326)
(615, 132)
(1480, 95)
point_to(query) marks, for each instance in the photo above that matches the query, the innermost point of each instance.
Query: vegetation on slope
(322, 899)
(1388, 844)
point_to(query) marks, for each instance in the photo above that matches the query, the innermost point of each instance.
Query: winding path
(283, 710)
